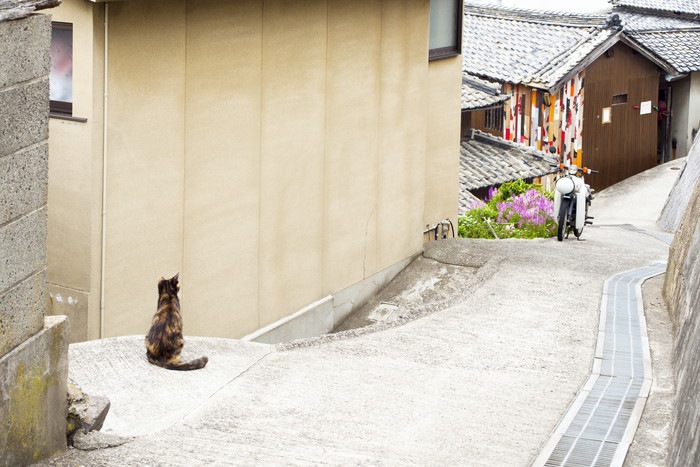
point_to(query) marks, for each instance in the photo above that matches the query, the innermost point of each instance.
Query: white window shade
(445, 28)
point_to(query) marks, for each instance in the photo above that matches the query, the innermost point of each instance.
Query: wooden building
(482, 105)
(573, 87)
(668, 33)
(619, 114)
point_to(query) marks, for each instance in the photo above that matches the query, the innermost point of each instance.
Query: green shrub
(514, 188)
(515, 210)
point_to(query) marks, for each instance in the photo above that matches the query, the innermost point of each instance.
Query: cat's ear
(175, 280)
(161, 283)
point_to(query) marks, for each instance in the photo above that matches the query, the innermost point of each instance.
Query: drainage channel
(600, 425)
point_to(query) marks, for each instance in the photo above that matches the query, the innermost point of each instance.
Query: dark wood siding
(476, 119)
(626, 145)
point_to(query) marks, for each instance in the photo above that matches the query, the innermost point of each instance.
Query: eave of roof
(581, 62)
(549, 17)
(480, 94)
(487, 160)
(638, 20)
(678, 7)
(676, 52)
(466, 201)
(540, 49)
(670, 40)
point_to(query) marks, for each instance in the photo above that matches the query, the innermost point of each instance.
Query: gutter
(104, 172)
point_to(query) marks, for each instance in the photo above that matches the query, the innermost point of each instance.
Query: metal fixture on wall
(441, 229)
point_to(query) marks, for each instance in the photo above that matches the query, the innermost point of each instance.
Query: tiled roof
(466, 201)
(680, 49)
(671, 39)
(487, 160)
(691, 7)
(540, 49)
(634, 20)
(478, 93)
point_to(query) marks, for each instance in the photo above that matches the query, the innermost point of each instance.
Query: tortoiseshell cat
(164, 341)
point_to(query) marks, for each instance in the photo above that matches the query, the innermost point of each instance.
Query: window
(618, 99)
(445, 28)
(61, 75)
(494, 119)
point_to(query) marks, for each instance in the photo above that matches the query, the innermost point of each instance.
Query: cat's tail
(195, 364)
(178, 364)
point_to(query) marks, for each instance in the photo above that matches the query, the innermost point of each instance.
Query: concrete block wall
(24, 90)
(33, 349)
(682, 293)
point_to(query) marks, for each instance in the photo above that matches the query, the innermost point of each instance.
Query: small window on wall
(445, 28)
(494, 119)
(61, 75)
(618, 99)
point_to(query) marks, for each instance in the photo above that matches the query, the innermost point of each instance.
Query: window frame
(62, 108)
(452, 50)
(618, 99)
(494, 118)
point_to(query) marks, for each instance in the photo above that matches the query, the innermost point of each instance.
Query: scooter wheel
(562, 219)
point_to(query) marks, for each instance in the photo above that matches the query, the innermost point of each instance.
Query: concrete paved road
(481, 380)
(600, 425)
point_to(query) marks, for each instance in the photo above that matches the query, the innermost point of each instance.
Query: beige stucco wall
(685, 107)
(223, 168)
(75, 180)
(352, 143)
(442, 166)
(271, 153)
(693, 110)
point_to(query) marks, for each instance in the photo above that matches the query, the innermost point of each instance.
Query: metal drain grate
(599, 427)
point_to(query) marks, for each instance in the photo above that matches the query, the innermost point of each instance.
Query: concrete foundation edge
(33, 403)
(322, 316)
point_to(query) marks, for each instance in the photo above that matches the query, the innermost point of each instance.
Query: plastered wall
(75, 179)
(441, 189)
(693, 110)
(271, 153)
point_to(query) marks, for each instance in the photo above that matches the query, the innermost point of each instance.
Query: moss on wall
(27, 409)
(33, 404)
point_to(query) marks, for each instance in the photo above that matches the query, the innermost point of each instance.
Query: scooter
(571, 201)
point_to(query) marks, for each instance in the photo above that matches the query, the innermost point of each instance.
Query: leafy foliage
(515, 210)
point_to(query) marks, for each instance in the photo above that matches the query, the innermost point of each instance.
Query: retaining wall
(682, 293)
(677, 201)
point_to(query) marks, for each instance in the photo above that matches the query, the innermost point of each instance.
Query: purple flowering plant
(515, 210)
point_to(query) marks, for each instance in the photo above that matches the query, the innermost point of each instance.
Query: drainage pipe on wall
(104, 173)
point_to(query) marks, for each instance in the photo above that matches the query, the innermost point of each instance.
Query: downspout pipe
(104, 171)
